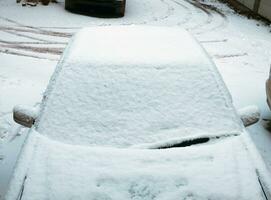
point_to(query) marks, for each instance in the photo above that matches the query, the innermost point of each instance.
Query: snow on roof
(122, 86)
(219, 170)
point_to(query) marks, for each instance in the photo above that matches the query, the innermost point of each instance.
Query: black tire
(45, 2)
(68, 5)
(120, 11)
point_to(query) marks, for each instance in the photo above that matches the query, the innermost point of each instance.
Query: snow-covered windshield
(124, 86)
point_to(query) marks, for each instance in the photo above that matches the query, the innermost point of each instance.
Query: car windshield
(130, 96)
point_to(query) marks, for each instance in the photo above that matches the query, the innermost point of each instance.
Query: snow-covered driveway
(32, 39)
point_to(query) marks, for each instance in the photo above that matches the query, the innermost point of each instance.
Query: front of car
(219, 169)
(123, 120)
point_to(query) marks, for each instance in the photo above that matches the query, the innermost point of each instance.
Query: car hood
(215, 170)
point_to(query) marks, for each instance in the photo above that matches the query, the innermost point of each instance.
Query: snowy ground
(32, 39)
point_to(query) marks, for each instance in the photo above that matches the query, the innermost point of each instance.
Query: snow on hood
(123, 86)
(213, 171)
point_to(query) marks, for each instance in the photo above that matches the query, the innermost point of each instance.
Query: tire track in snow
(11, 52)
(218, 56)
(45, 50)
(43, 36)
(188, 16)
(206, 12)
(210, 13)
(213, 10)
(25, 36)
(36, 37)
(35, 30)
(35, 43)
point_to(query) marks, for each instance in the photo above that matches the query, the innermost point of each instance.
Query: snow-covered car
(85, 5)
(136, 113)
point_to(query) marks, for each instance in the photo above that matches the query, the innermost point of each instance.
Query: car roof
(123, 86)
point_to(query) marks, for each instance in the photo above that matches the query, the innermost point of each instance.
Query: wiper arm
(184, 142)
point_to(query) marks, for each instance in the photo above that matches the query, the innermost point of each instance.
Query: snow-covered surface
(129, 85)
(27, 110)
(218, 170)
(120, 89)
(8, 158)
(241, 49)
(249, 115)
(23, 81)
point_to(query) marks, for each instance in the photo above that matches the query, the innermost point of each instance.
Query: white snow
(131, 85)
(241, 49)
(249, 115)
(27, 110)
(219, 170)
(111, 90)
(23, 81)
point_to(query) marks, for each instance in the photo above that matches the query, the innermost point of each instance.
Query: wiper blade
(184, 142)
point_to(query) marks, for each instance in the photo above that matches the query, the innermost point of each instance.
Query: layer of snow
(249, 115)
(219, 170)
(240, 47)
(237, 45)
(27, 110)
(129, 85)
(23, 81)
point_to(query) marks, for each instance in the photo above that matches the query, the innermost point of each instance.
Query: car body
(137, 113)
(118, 6)
(268, 90)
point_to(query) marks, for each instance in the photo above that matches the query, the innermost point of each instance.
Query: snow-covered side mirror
(25, 115)
(249, 115)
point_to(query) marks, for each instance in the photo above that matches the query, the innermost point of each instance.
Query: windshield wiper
(186, 143)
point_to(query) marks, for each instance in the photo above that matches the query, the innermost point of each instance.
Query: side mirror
(249, 115)
(24, 115)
